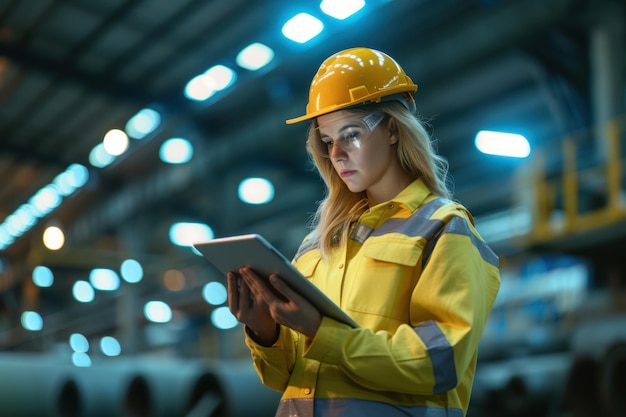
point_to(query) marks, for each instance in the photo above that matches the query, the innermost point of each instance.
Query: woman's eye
(351, 135)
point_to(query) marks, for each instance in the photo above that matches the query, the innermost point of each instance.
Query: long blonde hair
(340, 206)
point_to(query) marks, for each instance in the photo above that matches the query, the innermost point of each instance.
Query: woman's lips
(346, 174)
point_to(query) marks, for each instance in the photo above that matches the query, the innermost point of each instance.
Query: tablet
(232, 253)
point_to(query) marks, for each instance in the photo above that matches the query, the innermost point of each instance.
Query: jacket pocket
(385, 277)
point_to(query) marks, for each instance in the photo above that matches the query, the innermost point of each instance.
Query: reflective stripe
(441, 355)
(418, 224)
(348, 407)
(459, 226)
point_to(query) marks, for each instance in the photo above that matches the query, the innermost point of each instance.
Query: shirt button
(307, 391)
(340, 266)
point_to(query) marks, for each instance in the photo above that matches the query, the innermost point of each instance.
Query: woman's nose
(337, 154)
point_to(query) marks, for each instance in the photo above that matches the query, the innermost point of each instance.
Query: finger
(282, 288)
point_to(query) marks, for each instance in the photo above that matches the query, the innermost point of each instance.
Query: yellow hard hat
(357, 76)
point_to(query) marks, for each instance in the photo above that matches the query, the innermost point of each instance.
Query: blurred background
(131, 128)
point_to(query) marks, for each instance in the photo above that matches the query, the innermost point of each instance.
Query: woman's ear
(393, 131)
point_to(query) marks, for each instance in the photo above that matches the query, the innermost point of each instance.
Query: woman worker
(389, 247)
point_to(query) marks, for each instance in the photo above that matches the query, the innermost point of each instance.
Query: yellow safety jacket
(420, 320)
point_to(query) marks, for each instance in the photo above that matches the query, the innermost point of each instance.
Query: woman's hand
(284, 305)
(251, 310)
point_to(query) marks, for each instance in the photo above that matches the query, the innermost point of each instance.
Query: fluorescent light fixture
(31, 320)
(115, 142)
(200, 88)
(223, 319)
(221, 77)
(131, 271)
(104, 279)
(176, 151)
(99, 157)
(302, 28)
(204, 86)
(255, 56)
(502, 144)
(341, 9)
(143, 123)
(256, 191)
(186, 234)
(83, 292)
(157, 311)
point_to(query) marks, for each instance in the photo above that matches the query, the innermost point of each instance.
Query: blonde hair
(340, 206)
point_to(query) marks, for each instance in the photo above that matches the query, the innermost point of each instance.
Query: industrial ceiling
(70, 70)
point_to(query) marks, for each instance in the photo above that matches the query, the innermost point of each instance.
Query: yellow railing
(569, 198)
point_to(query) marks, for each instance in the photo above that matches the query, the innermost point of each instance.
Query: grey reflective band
(441, 356)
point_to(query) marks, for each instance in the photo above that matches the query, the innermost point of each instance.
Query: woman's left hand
(291, 310)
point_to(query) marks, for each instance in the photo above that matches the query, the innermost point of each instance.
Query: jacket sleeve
(274, 364)
(449, 308)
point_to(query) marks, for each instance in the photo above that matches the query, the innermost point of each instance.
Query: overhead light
(110, 346)
(143, 123)
(341, 9)
(511, 145)
(42, 276)
(31, 320)
(302, 28)
(79, 343)
(104, 279)
(186, 234)
(99, 157)
(157, 311)
(223, 319)
(214, 293)
(53, 238)
(131, 271)
(115, 142)
(204, 86)
(176, 151)
(256, 191)
(83, 292)
(255, 56)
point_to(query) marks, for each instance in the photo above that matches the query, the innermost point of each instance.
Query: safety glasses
(350, 134)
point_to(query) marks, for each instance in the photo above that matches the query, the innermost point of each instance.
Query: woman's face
(363, 154)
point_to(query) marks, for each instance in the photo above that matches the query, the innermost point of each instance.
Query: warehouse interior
(104, 313)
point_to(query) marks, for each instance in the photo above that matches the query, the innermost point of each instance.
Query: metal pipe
(34, 385)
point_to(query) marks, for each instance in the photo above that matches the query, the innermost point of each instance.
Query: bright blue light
(81, 360)
(42, 276)
(176, 151)
(157, 311)
(302, 28)
(502, 144)
(143, 123)
(255, 56)
(199, 88)
(214, 293)
(215, 79)
(110, 346)
(104, 279)
(79, 343)
(99, 157)
(131, 271)
(256, 191)
(83, 292)
(222, 318)
(186, 234)
(32, 321)
(341, 9)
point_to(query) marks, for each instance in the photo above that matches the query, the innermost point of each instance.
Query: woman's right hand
(251, 311)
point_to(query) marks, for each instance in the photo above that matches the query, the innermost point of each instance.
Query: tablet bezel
(234, 252)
